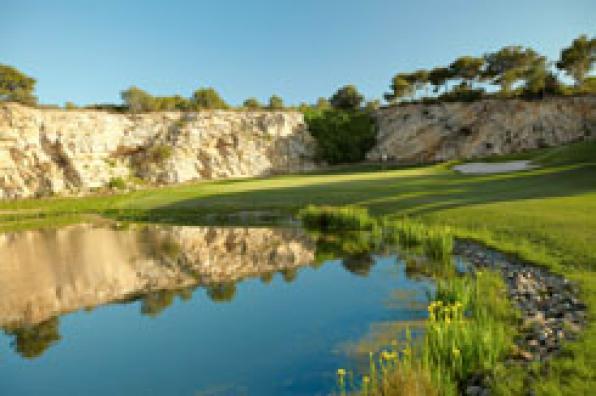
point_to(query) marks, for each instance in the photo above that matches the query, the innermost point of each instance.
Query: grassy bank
(546, 215)
(471, 326)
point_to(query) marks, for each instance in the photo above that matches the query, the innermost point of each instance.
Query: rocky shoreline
(551, 311)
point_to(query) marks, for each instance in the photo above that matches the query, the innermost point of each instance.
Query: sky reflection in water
(90, 309)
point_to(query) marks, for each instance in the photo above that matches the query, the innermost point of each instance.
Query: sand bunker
(493, 167)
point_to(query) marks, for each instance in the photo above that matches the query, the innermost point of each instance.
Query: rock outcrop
(44, 273)
(439, 132)
(53, 151)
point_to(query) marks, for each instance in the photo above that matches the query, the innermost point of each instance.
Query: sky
(88, 51)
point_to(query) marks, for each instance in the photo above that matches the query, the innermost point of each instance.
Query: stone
(493, 126)
(473, 390)
(53, 151)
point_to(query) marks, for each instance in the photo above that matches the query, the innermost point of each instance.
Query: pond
(184, 310)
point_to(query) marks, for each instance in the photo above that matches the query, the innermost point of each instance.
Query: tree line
(137, 100)
(513, 70)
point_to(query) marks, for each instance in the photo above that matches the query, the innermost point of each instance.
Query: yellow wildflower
(341, 372)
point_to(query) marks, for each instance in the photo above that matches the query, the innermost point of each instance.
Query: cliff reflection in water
(45, 273)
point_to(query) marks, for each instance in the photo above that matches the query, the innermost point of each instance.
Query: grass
(330, 218)
(470, 331)
(546, 215)
(435, 242)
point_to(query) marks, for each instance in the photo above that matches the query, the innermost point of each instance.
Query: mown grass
(546, 215)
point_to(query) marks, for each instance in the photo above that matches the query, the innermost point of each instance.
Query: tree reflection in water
(222, 292)
(359, 264)
(32, 341)
(280, 251)
(154, 303)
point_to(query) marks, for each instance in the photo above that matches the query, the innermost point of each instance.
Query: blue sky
(88, 51)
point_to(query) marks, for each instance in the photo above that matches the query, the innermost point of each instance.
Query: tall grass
(333, 218)
(436, 242)
(469, 331)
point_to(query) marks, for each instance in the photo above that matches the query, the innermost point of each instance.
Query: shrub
(462, 93)
(117, 183)
(159, 154)
(342, 136)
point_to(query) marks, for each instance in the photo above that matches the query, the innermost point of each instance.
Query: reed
(468, 332)
(334, 218)
(436, 242)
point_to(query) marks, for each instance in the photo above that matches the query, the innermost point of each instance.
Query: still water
(170, 310)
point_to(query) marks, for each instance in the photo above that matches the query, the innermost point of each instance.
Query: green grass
(470, 331)
(546, 215)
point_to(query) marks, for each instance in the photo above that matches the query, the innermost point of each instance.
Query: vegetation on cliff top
(514, 70)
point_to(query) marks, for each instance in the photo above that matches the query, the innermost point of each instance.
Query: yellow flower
(366, 379)
(341, 372)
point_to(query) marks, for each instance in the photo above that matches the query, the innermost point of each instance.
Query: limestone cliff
(446, 131)
(52, 151)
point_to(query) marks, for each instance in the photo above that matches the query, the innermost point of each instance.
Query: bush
(342, 136)
(159, 154)
(462, 94)
(117, 183)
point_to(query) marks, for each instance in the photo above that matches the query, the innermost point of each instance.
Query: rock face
(51, 151)
(447, 131)
(44, 273)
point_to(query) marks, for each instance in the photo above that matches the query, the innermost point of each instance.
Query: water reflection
(45, 273)
(49, 272)
(148, 268)
(32, 341)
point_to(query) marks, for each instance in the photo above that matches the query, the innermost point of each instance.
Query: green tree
(577, 59)
(467, 68)
(401, 87)
(589, 85)
(372, 105)
(137, 100)
(207, 98)
(252, 104)
(275, 103)
(438, 77)
(322, 104)
(70, 106)
(419, 79)
(303, 107)
(508, 65)
(15, 86)
(172, 103)
(536, 78)
(347, 98)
